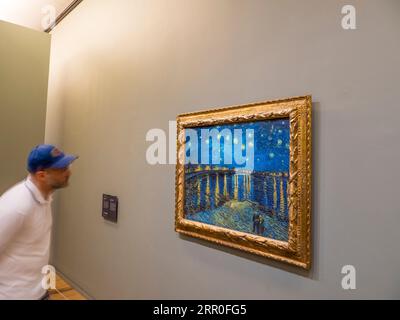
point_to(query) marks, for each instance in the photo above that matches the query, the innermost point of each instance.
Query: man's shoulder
(16, 199)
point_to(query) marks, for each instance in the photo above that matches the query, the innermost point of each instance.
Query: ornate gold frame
(297, 250)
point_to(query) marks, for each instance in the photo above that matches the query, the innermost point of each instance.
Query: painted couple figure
(258, 223)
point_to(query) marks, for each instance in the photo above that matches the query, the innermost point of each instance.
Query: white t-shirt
(25, 232)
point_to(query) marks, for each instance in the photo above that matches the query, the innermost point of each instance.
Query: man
(25, 223)
(261, 224)
(256, 223)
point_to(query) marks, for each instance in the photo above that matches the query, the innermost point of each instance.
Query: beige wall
(24, 71)
(120, 68)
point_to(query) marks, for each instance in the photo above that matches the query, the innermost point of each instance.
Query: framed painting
(243, 178)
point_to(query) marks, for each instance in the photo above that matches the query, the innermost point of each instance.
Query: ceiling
(33, 14)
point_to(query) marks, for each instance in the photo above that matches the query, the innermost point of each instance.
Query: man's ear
(39, 175)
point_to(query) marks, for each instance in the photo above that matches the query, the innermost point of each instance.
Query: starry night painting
(237, 178)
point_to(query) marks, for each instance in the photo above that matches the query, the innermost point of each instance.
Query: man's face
(57, 178)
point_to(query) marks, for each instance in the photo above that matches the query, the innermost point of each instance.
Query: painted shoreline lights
(244, 178)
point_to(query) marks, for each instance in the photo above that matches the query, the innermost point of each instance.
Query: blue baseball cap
(46, 156)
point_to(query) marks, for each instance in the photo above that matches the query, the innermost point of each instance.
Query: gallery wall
(24, 72)
(120, 68)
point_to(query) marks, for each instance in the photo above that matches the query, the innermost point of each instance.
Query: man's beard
(59, 185)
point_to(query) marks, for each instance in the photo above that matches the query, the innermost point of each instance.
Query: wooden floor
(64, 291)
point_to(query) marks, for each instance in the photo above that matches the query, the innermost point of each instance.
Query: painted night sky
(270, 142)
